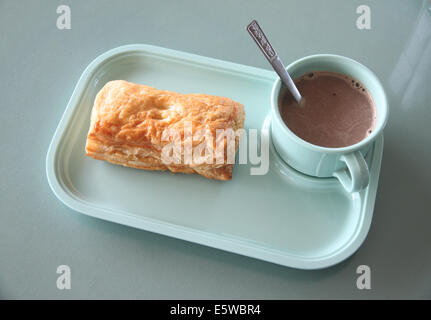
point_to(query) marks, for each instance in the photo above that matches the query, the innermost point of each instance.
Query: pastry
(141, 127)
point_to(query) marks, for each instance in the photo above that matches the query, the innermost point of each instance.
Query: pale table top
(40, 66)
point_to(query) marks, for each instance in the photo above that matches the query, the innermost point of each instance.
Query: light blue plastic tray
(282, 217)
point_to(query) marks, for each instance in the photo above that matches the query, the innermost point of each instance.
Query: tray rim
(217, 241)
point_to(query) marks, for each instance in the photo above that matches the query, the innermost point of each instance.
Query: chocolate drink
(336, 110)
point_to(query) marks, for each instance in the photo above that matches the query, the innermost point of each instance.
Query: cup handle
(356, 176)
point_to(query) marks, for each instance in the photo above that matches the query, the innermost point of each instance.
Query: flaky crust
(128, 120)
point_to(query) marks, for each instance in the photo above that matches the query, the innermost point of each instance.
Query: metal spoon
(262, 42)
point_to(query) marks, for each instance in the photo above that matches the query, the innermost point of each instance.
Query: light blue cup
(347, 164)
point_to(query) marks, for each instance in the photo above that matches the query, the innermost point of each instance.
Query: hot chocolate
(336, 110)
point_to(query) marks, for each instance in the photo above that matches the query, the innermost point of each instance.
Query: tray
(282, 217)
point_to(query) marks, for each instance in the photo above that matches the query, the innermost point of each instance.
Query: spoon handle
(268, 51)
(262, 42)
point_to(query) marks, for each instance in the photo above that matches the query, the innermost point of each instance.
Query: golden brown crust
(128, 120)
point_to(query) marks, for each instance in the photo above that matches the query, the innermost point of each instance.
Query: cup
(347, 164)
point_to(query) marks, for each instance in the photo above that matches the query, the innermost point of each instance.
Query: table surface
(40, 66)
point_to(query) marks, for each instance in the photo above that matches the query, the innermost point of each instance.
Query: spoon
(262, 42)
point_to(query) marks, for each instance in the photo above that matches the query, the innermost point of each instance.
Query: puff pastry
(128, 121)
